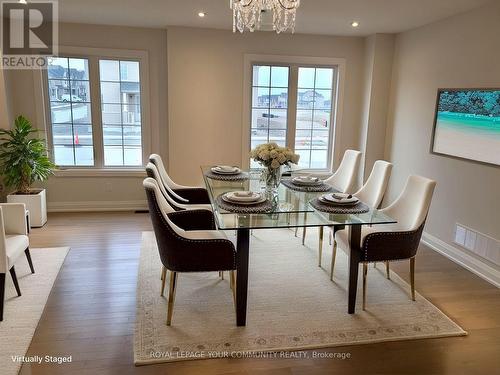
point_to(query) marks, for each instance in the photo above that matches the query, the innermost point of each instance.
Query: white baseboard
(96, 206)
(480, 268)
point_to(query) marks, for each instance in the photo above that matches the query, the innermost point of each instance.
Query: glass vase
(271, 179)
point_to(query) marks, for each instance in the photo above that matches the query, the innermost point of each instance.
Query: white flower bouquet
(273, 157)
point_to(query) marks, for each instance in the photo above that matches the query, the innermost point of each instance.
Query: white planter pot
(36, 204)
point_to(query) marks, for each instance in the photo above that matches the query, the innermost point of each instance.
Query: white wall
(205, 70)
(378, 70)
(461, 51)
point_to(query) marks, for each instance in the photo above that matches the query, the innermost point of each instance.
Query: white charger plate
(328, 198)
(306, 182)
(219, 170)
(229, 197)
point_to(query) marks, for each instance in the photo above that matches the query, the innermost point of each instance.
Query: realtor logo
(29, 33)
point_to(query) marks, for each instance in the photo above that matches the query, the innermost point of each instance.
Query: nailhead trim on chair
(414, 241)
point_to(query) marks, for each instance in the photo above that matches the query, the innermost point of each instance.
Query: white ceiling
(331, 17)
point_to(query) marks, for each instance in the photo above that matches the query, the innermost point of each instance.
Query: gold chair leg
(412, 278)
(163, 278)
(387, 270)
(232, 276)
(334, 256)
(171, 296)
(320, 249)
(365, 272)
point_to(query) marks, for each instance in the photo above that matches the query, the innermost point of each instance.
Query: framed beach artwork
(467, 124)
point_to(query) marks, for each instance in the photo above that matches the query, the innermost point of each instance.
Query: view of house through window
(314, 114)
(70, 108)
(313, 108)
(121, 112)
(74, 124)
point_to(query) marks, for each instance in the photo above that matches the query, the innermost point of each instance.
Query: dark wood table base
(242, 247)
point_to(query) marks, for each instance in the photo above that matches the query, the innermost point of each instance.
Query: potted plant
(24, 160)
(272, 157)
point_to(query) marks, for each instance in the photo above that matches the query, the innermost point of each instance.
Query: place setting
(306, 184)
(226, 173)
(339, 203)
(244, 202)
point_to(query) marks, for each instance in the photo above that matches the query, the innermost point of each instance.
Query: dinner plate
(224, 169)
(306, 181)
(230, 198)
(332, 198)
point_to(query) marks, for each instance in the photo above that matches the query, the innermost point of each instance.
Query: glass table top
(290, 209)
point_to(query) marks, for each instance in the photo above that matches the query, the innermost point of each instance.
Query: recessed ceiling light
(354, 23)
(22, 2)
(201, 14)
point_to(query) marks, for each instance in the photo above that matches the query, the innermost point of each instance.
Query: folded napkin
(243, 196)
(307, 178)
(226, 168)
(244, 193)
(340, 197)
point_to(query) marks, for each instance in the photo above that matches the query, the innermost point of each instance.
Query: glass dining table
(289, 209)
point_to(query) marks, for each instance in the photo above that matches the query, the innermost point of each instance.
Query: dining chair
(187, 242)
(182, 193)
(168, 193)
(371, 194)
(344, 178)
(14, 242)
(396, 241)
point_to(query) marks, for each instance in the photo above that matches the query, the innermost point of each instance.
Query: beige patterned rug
(292, 305)
(21, 314)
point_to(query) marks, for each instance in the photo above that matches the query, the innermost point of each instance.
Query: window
(269, 104)
(70, 111)
(313, 118)
(95, 111)
(302, 121)
(121, 112)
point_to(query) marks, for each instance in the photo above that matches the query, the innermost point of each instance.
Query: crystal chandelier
(247, 14)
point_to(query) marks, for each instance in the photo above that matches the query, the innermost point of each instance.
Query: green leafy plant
(23, 156)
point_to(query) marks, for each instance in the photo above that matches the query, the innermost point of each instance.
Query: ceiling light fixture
(247, 14)
(354, 23)
(23, 2)
(201, 14)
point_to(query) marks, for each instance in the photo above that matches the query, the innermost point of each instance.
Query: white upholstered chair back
(375, 186)
(411, 207)
(156, 159)
(345, 176)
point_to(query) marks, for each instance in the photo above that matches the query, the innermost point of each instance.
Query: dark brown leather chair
(394, 242)
(181, 193)
(187, 241)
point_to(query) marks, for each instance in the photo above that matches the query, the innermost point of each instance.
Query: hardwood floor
(91, 310)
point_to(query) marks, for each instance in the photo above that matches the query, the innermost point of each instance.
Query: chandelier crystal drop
(247, 14)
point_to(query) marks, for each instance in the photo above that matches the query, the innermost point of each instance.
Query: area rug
(292, 305)
(21, 314)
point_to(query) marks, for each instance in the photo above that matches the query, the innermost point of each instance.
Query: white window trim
(147, 128)
(250, 59)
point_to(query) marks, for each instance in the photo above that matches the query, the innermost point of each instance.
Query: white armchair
(13, 242)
